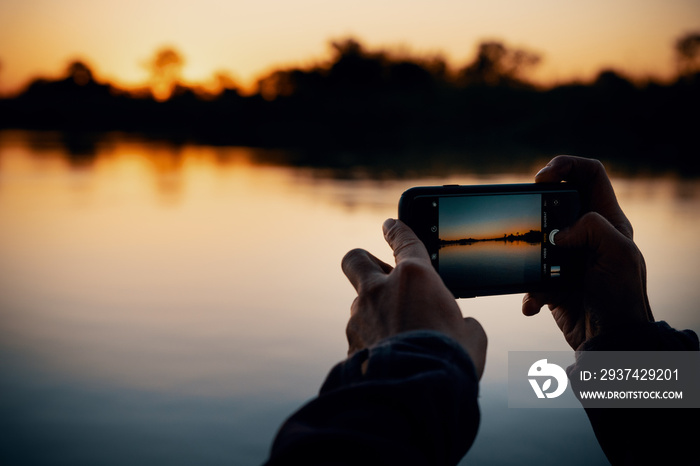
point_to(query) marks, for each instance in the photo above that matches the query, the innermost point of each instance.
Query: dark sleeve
(640, 436)
(416, 403)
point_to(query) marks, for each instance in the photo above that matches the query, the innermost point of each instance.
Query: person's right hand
(411, 296)
(613, 291)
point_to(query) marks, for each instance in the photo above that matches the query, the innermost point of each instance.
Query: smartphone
(494, 239)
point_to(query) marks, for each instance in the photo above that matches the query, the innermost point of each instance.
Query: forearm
(412, 399)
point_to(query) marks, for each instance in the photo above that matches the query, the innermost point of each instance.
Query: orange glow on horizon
(576, 41)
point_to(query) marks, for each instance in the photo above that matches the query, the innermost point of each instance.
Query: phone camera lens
(433, 229)
(556, 202)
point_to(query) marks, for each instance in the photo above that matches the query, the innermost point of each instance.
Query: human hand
(411, 296)
(613, 291)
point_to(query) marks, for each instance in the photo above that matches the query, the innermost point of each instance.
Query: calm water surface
(491, 262)
(164, 303)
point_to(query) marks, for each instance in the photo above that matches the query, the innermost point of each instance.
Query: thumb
(591, 232)
(404, 242)
(617, 278)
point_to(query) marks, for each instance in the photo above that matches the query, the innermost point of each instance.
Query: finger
(592, 181)
(577, 170)
(591, 232)
(403, 241)
(532, 303)
(361, 268)
(619, 257)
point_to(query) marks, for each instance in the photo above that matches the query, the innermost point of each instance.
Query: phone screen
(490, 241)
(494, 243)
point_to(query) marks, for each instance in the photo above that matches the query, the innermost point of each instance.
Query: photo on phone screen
(490, 241)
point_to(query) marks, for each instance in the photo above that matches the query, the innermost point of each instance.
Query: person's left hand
(410, 296)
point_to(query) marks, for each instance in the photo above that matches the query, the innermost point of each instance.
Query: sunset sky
(488, 217)
(248, 38)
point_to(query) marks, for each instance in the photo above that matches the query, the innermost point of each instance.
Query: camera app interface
(490, 241)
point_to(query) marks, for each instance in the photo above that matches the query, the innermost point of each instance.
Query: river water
(491, 263)
(166, 303)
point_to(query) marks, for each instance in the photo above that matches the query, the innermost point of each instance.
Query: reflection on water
(491, 263)
(182, 300)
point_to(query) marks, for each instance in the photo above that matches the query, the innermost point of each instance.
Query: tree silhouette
(497, 65)
(366, 102)
(353, 68)
(688, 54)
(80, 73)
(166, 70)
(279, 83)
(225, 81)
(613, 81)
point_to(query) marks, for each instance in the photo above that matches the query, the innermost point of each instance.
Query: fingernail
(542, 171)
(388, 224)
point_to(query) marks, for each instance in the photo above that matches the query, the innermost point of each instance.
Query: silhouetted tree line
(374, 102)
(532, 236)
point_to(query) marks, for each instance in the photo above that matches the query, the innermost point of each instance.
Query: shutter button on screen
(552, 234)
